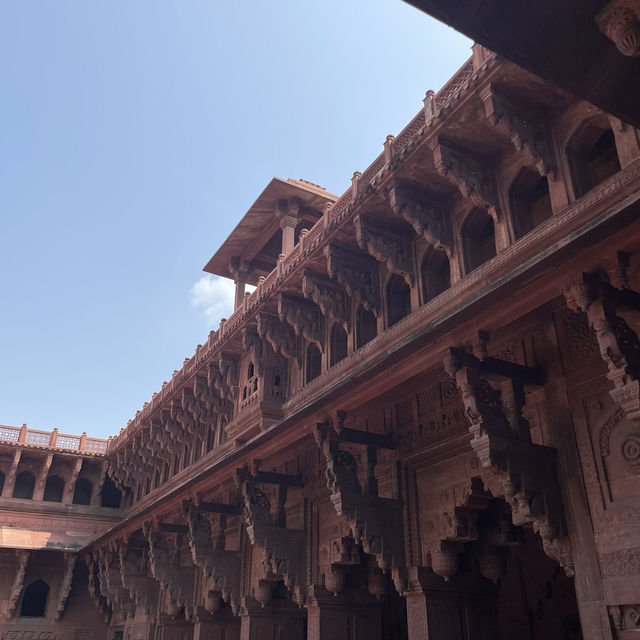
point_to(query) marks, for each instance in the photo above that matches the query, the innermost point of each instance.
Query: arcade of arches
(422, 423)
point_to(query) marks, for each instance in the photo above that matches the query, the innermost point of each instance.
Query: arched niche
(435, 274)
(111, 495)
(592, 154)
(366, 326)
(478, 239)
(34, 600)
(338, 344)
(530, 201)
(82, 491)
(53, 489)
(313, 364)
(24, 485)
(398, 299)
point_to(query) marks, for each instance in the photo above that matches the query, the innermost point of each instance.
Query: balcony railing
(53, 440)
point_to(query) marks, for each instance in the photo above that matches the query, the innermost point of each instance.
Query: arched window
(111, 495)
(23, 487)
(530, 201)
(436, 274)
(314, 363)
(34, 600)
(478, 239)
(82, 492)
(366, 326)
(593, 155)
(54, 489)
(398, 299)
(1, 482)
(250, 371)
(338, 344)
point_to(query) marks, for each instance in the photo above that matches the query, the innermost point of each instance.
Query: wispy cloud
(214, 297)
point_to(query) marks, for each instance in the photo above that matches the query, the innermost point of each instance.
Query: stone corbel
(11, 476)
(618, 342)
(221, 568)
(374, 521)
(111, 586)
(97, 492)
(175, 579)
(41, 481)
(357, 273)
(209, 400)
(393, 250)
(305, 317)
(281, 337)
(65, 586)
(283, 550)
(427, 219)
(22, 558)
(94, 589)
(619, 20)
(511, 467)
(329, 296)
(468, 173)
(71, 485)
(142, 588)
(524, 132)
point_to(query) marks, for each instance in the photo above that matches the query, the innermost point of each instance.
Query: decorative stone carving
(524, 132)
(305, 318)
(357, 273)
(619, 344)
(392, 249)
(143, 589)
(619, 20)
(329, 296)
(426, 217)
(468, 173)
(280, 336)
(16, 587)
(65, 585)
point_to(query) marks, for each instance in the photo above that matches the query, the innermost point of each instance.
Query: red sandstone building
(424, 422)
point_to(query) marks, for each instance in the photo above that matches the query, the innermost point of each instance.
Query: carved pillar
(18, 581)
(288, 212)
(9, 483)
(240, 270)
(65, 586)
(71, 485)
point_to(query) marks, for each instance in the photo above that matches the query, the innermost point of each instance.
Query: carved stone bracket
(618, 342)
(95, 593)
(468, 173)
(423, 214)
(65, 585)
(619, 20)
(392, 249)
(524, 132)
(511, 467)
(143, 589)
(111, 587)
(280, 336)
(357, 273)
(18, 581)
(374, 521)
(305, 318)
(329, 296)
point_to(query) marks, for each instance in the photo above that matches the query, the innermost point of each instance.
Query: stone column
(288, 212)
(240, 270)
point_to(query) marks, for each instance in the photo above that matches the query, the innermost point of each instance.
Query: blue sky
(134, 136)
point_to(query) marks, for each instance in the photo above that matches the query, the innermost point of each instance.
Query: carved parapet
(619, 20)
(280, 336)
(524, 132)
(357, 273)
(618, 342)
(305, 318)
(329, 296)
(468, 173)
(426, 217)
(392, 249)
(511, 467)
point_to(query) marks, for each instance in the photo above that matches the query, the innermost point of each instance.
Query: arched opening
(1, 482)
(435, 273)
(53, 489)
(23, 487)
(530, 201)
(366, 326)
(34, 600)
(593, 155)
(314, 363)
(250, 371)
(111, 495)
(338, 344)
(82, 492)
(478, 239)
(398, 299)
